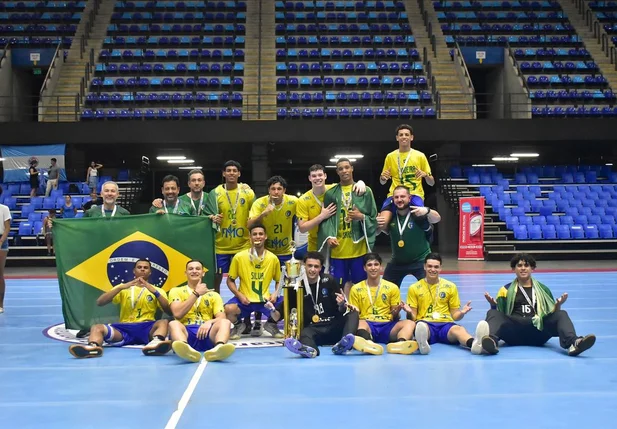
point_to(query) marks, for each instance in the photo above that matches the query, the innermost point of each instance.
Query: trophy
(293, 295)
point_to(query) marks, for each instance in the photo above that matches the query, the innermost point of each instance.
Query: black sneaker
(83, 333)
(257, 330)
(489, 345)
(581, 344)
(247, 326)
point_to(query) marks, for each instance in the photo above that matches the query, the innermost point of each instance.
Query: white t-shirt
(5, 214)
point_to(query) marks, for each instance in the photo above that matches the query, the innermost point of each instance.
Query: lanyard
(368, 291)
(531, 301)
(201, 201)
(254, 257)
(319, 203)
(346, 200)
(436, 297)
(112, 213)
(315, 299)
(402, 168)
(233, 207)
(401, 228)
(133, 300)
(174, 210)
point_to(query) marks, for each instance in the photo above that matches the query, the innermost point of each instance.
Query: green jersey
(98, 211)
(414, 247)
(195, 207)
(180, 207)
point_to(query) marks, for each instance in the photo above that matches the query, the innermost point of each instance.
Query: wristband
(157, 293)
(195, 293)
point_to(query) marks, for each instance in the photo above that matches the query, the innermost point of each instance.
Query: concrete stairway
(591, 43)
(62, 106)
(454, 101)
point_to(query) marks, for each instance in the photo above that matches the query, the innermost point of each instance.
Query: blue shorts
(348, 270)
(132, 333)
(5, 245)
(223, 261)
(380, 331)
(197, 344)
(246, 310)
(439, 332)
(283, 259)
(301, 251)
(388, 204)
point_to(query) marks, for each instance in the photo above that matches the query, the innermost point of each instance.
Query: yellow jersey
(255, 275)
(278, 223)
(407, 163)
(233, 235)
(346, 248)
(308, 208)
(430, 299)
(205, 308)
(378, 306)
(137, 304)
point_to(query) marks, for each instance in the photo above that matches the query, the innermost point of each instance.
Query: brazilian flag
(95, 254)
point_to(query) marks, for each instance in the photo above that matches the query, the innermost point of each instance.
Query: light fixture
(190, 167)
(330, 166)
(504, 158)
(482, 165)
(610, 164)
(168, 157)
(349, 156)
(336, 159)
(2, 159)
(299, 193)
(181, 161)
(525, 155)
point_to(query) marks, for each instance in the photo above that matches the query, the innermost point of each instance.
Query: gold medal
(401, 243)
(233, 222)
(315, 318)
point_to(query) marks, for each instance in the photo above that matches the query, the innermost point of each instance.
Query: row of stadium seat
(354, 97)
(339, 5)
(514, 41)
(543, 53)
(548, 171)
(89, 114)
(323, 29)
(567, 79)
(358, 68)
(573, 95)
(499, 5)
(41, 5)
(564, 232)
(181, 5)
(172, 54)
(170, 68)
(356, 113)
(200, 97)
(358, 54)
(201, 82)
(562, 176)
(206, 41)
(506, 28)
(154, 28)
(573, 112)
(341, 17)
(177, 16)
(362, 82)
(560, 220)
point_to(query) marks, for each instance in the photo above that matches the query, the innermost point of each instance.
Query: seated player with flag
(434, 304)
(256, 268)
(379, 303)
(139, 302)
(200, 324)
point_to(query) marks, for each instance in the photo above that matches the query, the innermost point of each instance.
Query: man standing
(256, 268)
(171, 203)
(200, 324)
(349, 234)
(53, 174)
(379, 304)
(109, 208)
(410, 232)
(526, 314)
(325, 320)
(434, 304)
(139, 301)
(195, 199)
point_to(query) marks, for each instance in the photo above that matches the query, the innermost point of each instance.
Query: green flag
(95, 254)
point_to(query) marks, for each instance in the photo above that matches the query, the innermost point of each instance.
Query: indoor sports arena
(269, 214)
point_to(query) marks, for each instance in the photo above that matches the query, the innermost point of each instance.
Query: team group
(347, 302)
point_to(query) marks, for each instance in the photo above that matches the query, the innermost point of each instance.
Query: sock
(364, 334)
(400, 340)
(258, 317)
(271, 320)
(219, 343)
(94, 343)
(469, 342)
(160, 337)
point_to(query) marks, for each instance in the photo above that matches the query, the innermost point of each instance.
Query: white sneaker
(237, 330)
(422, 333)
(273, 330)
(1, 310)
(482, 331)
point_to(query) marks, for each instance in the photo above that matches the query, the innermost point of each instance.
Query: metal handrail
(51, 67)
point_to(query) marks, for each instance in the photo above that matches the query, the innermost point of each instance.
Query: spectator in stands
(92, 176)
(95, 200)
(68, 210)
(526, 314)
(411, 233)
(109, 192)
(53, 174)
(47, 226)
(34, 177)
(5, 228)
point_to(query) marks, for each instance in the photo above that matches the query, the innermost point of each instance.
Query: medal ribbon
(368, 291)
(175, 209)
(201, 201)
(531, 301)
(401, 228)
(436, 297)
(233, 207)
(112, 213)
(310, 292)
(254, 257)
(319, 203)
(401, 169)
(133, 300)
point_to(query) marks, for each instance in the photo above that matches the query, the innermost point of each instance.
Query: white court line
(35, 306)
(186, 396)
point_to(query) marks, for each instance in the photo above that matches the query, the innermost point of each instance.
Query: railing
(51, 78)
(465, 78)
(598, 30)
(89, 24)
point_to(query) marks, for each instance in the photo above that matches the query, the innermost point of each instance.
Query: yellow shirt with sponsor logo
(428, 299)
(231, 238)
(278, 223)
(308, 208)
(383, 299)
(346, 248)
(417, 161)
(205, 308)
(255, 275)
(137, 304)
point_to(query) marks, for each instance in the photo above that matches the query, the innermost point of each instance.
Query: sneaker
(482, 331)
(344, 345)
(157, 347)
(402, 347)
(367, 346)
(489, 345)
(257, 330)
(86, 351)
(83, 333)
(236, 331)
(247, 326)
(273, 330)
(422, 333)
(185, 351)
(220, 352)
(581, 344)
(298, 348)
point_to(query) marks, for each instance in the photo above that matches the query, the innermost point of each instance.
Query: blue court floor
(43, 386)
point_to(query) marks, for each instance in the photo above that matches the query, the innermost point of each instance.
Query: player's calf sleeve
(363, 333)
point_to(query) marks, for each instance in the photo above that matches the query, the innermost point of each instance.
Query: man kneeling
(200, 324)
(138, 301)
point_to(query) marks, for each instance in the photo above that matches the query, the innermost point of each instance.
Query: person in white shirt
(5, 227)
